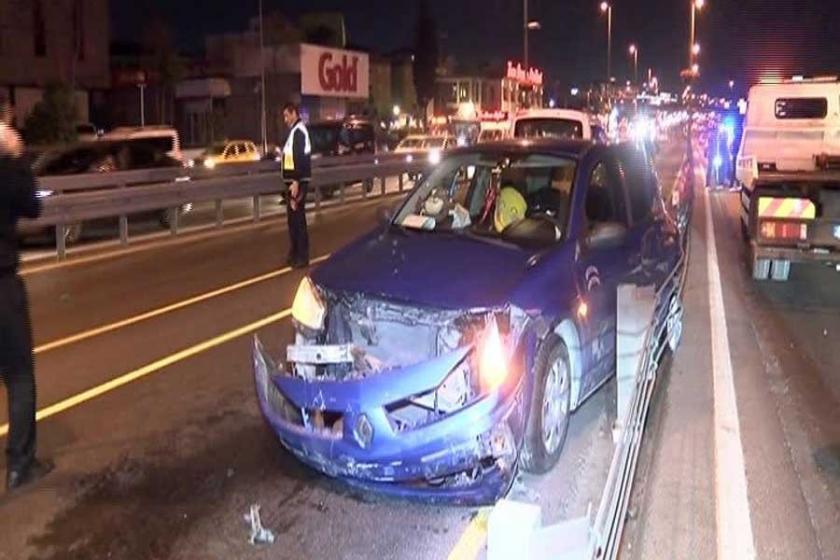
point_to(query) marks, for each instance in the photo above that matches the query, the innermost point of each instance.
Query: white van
(787, 125)
(161, 136)
(551, 123)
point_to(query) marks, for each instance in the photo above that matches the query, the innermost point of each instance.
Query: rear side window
(604, 196)
(801, 108)
(640, 180)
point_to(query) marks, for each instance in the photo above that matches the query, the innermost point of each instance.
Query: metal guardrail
(74, 199)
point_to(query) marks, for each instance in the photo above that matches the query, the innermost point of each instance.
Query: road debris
(259, 534)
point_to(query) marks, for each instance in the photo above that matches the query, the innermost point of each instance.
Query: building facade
(44, 42)
(467, 97)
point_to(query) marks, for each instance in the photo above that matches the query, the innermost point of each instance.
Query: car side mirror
(606, 235)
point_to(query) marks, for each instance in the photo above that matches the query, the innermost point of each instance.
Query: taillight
(785, 231)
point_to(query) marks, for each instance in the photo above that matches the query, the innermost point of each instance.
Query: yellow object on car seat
(510, 208)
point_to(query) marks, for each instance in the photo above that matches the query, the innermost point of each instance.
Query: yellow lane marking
(153, 367)
(473, 539)
(163, 310)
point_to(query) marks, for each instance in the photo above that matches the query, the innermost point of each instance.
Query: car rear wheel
(548, 421)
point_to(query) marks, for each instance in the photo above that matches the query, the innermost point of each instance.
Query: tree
(53, 119)
(425, 55)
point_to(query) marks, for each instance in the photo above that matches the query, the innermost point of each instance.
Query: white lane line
(734, 526)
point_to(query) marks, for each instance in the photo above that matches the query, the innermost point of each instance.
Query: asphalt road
(144, 374)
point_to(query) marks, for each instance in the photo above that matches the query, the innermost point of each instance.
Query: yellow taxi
(229, 151)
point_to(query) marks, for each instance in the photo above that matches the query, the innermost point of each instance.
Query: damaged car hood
(432, 269)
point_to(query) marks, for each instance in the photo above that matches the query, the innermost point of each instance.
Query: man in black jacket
(297, 172)
(18, 199)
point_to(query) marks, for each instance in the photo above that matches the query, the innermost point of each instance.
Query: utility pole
(142, 88)
(263, 123)
(525, 29)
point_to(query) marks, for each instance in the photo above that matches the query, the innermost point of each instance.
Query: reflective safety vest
(288, 148)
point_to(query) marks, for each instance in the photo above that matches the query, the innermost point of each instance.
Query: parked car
(162, 137)
(342, 137)
(450, 345)
(226, 153)
(102, 156)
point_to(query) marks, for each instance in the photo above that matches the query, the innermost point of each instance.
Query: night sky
(741, 39)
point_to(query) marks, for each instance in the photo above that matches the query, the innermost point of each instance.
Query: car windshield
(492, 195)
(548, 128)
(215, 150)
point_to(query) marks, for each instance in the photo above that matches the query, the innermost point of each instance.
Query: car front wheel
(548, 421)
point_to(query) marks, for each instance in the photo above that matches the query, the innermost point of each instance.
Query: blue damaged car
(449, 346)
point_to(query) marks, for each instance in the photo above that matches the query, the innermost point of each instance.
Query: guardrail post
(365, 184)
(123, 224)
(61, 241)
(382, 179)
(400, 181)
(173, 220)
(220, 214)
(342, 196)
(257, 208)
(123, 229)
(317, 201)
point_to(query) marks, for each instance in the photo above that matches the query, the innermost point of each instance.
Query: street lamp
(731, 84)
(696, 6)
(263, 120)
(606, 8)
(695, 69)
(634, 52)
(397, 110)
(695, 49)
(527, 25)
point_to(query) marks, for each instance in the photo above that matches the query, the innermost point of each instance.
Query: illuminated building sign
(530, 76)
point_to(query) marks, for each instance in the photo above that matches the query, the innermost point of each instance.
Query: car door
(651, 244)
(600, 266)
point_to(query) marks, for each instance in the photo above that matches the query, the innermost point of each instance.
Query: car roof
(552, 114)
(571, 148)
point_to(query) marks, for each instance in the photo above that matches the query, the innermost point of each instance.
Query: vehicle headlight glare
(209, 163)
(308, 309)
(493, 362)
(434, 156)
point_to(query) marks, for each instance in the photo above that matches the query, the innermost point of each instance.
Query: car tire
(548, 420)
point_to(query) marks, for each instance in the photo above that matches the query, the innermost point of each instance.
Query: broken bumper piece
(346, 429)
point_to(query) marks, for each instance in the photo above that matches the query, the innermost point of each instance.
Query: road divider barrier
(73, 199)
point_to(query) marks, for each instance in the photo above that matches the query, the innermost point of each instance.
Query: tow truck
(788, 170)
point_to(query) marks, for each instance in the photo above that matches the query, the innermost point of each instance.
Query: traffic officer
(297, 172)
(17, 199)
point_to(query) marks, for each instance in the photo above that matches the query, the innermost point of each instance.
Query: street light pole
(696, 6)
(607, 8)
(634, 51)
(525, 28)
(263, 122)
(142, 88)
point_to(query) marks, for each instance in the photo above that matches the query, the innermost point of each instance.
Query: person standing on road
(297, 172)
(18, 199)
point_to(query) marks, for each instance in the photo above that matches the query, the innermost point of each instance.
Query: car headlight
(308, 309)
(434, 156)
(493, 367)
(209, 163)
(43, 193)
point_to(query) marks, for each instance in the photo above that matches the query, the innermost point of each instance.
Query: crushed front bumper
(467, 456)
